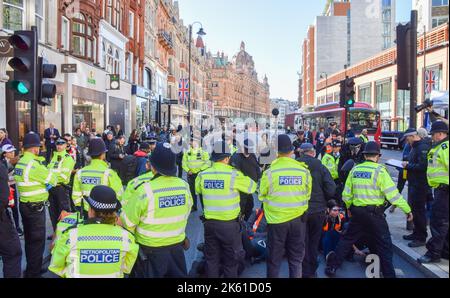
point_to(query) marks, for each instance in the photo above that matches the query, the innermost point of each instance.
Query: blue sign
(99, 256)
(18, 172)
(362, 175)
(172, 201)
(214, 184)
(91, 180)
(290, 180)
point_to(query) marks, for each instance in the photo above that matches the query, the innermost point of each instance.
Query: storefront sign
(140, 91)
(91, 78)
(68, 68)
(5, 47)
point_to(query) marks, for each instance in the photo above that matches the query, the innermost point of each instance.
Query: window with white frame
(131, 24)
(13, 14)
(83, 36)
(39, 18)
(65, 33)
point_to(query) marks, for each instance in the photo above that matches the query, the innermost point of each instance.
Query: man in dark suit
(308, 135)
(51, 134)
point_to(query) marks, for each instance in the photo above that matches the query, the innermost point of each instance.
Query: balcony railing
(165, 39)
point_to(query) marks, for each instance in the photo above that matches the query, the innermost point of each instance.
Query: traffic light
(349, 93)
(342, 94)
(24, 64)
(404, 49)
(46, 90)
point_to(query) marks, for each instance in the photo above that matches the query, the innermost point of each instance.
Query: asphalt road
(354, 269)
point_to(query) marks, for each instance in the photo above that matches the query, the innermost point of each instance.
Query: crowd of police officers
(103, 229)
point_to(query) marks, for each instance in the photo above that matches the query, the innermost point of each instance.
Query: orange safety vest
(337, 226)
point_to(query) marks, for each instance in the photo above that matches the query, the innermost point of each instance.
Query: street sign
(68, 68)
(168, 101)
(5, 47)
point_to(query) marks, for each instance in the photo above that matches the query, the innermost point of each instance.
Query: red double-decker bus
(361, 116)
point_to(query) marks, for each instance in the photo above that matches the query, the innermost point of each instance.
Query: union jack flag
(183, 91)
(430, 81)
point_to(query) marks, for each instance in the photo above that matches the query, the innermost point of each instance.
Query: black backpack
(128, 168)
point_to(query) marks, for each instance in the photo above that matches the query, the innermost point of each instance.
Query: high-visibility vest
(369, 184)
(62, 165)
(32, 178)
(158, 211)
(220, 186)
(285, 190)
(337, 226)
(437, 171)
(97, 173)
(94, 251)
(195, 160)
(364, 138)
(331, 163)
(133, 185)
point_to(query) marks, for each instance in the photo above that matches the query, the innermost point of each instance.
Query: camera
(426, 104)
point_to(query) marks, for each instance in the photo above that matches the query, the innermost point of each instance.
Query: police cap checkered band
(101, 206)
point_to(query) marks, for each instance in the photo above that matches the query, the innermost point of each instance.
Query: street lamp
(322, 75)
(200, 32)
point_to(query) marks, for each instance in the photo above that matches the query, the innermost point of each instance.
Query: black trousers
(338, 194)
(439, 223)
(10, 249)
(223, 248)
(372, 224)
(314, 225)
(180, 168)
(33, 219)
(247, 204)
(286, 238)
(400, 181)
(191, 182)
(417, 199)
(160, 262)
(59, 201)
(49, 151)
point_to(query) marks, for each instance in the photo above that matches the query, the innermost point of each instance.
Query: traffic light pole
(413, 70)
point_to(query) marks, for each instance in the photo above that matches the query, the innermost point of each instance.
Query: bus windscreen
(360, 119)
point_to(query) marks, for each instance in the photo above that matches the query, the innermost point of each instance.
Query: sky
(273, 31)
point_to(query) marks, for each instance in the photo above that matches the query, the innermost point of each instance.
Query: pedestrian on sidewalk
(418, 188)
(133, 142)
(117, 153)
(437, 175)
(9, 160)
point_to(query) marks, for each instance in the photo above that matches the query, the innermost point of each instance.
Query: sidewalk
(397, 226)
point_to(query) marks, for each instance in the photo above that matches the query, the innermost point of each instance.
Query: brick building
(235, 89)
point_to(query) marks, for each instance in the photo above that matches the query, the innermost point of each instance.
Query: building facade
(284, 107)
(235, 89)
(430, 14)
(375, 79)
(347, 33)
